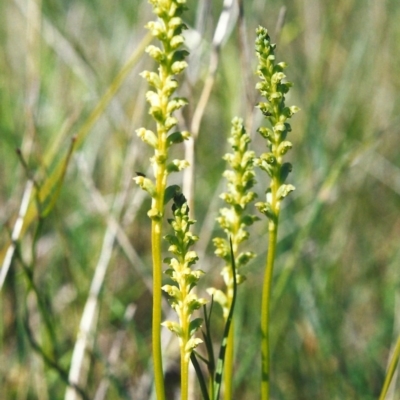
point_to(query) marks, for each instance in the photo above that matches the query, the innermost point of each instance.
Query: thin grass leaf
(42, 301)
(200, 376)
(208, 339)
(54, 365)
(210, 362)
(49, 199)
(221, 358)
(391, 370)
(51, 183)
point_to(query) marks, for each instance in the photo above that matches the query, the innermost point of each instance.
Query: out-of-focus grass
(337, 276)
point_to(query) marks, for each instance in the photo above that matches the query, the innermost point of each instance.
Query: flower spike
(273, 87)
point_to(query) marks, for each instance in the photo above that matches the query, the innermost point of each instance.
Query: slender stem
(229, 364)
(156, 239)
(391, 370)
(229, 355)
(265, 310)
(211, 385)
(184, 356)
(184, 376)
(184, 317)
(156, 323)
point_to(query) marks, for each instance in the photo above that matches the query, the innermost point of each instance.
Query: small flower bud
(148, 137)
(277, 77)
(177, 165)
(265, 132)
(279, 127)
(170, 122)
(173, 327)
(146, 184)
(156, 29)
(176, 104)
(294, 109)
(284, 147)
(156, 53)
(152, 78)
(178, 66)
(284, 190)
(153, 98)
(174, 23)
(176, 41)
(265, 208)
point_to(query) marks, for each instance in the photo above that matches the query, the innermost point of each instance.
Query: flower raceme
(273, 88)
(171, 61)
(183, 300)
(182, 297)
(233, 219)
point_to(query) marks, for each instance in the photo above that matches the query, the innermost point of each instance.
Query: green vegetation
(75, 241)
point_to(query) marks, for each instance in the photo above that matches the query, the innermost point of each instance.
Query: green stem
(184, 318)
(211, 386)
(184, 374)
(229, 364)
(229, 355)
(265, 309)
(156, 239)
(156, 323)
(391, 370)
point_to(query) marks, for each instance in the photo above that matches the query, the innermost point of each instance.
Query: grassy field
(71, 99)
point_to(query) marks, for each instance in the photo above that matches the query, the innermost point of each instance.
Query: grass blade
(221, 358)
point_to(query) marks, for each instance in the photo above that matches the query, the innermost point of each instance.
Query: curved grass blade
(50, 363)
(391, 370)
(51, 185)
(221, 358)
(208, 340)
(200, 377)
(210, 353)
(47, 200)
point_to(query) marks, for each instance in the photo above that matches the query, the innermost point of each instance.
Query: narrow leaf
(221, 358)
(200, 376)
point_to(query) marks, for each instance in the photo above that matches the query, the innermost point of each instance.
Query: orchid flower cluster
(273, 89)
(170, 58)
(234, 220)
(182, 297)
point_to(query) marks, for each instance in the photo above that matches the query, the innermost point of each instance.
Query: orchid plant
(234, 219)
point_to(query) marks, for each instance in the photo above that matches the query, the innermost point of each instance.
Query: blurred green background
(336, 291)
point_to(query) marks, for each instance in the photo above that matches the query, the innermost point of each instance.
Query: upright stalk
(170, 59)
(156, 238)
(157, 315)
(184, 365)
(229, 360)
(183, 300)
(265, 310)
(273, 88)
(234, 221)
